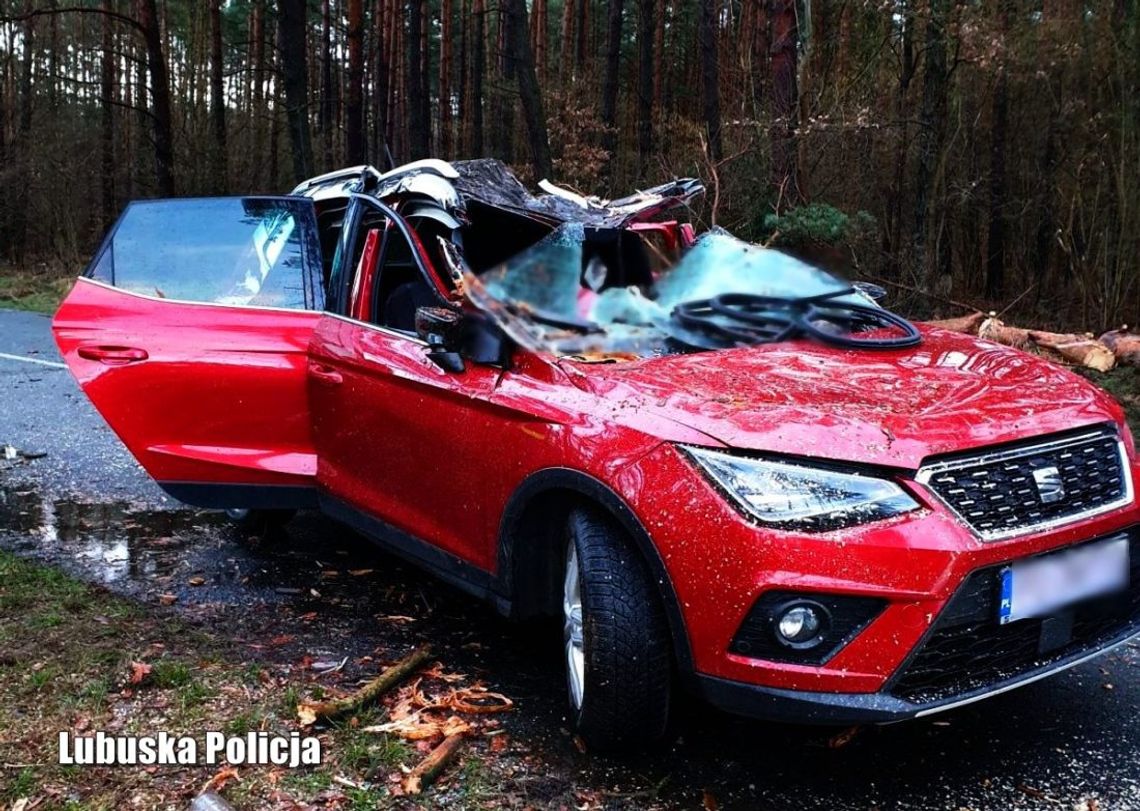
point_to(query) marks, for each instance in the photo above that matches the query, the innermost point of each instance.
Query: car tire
(616, 644)
(259, 521)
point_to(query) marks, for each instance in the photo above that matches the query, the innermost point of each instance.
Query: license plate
(1032, 588)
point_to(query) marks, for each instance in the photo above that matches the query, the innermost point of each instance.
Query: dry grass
(66, 654)
(38, 290)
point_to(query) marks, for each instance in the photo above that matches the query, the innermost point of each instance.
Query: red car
(726, 472)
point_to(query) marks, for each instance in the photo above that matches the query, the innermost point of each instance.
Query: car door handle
(112, 355)
(325, 374)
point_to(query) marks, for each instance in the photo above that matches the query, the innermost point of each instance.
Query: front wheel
(616, 638)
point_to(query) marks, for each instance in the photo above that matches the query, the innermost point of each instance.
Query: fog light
(800, 625)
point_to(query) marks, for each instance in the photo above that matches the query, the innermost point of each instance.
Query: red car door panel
(201, 392)
(400, 439)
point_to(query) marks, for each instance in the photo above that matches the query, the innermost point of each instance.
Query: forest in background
(978, 151)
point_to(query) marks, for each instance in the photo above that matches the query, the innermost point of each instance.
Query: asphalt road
(1072, 741)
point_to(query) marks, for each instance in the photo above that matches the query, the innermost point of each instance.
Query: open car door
(189, 332)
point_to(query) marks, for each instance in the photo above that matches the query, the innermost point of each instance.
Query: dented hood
(951, 393)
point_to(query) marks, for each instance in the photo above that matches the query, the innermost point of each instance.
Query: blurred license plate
(1031, 588)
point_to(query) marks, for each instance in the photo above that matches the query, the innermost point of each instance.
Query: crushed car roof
(490, 182)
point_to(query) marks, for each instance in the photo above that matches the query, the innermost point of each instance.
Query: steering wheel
(743, 318)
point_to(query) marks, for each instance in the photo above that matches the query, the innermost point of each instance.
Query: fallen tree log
(1084, 350)
(428, 769)
(994, 329)
(1125, 346)
(967, 324)
(308, 712)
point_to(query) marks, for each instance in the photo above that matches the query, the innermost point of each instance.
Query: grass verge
(35, 291)
(76, 658)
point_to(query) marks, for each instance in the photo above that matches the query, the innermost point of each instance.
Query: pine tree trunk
(107, 130)
(325, 111)
(931, 134)
(380, 92)
(160, 98)
(710, 82)
(645, 33)
(217, 99)
(295, 75)
(610, 82)
(785, 104)
(478, 69)
(446, 21)
(995, 245)
(257, 34)
(354, 97)
(414, 83)
(522, 67)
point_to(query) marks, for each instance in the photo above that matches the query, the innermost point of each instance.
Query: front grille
(967, 649)
(1021, 489)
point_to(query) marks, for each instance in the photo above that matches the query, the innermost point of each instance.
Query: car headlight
(796, 496)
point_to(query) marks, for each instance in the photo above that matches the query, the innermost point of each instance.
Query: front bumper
(720, 564)
(843, 709)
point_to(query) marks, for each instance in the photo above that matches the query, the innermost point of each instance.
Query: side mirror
(442, 329)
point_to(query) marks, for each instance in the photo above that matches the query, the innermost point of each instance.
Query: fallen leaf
(167, 599)
(360, 572)
(139, 672)
(843, 738)
(197, 580)
(219, 780)
(306, 714)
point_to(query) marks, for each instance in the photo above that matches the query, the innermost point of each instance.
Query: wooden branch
(309, 713)
(44, 12)
(927, 293)
(967, 324)
(428, 769)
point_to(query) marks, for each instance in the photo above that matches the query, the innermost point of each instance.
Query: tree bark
(160, 98)
(566, 54)
(257, 34)
(610, 81)
(107, 130)
(325, 111)
(931, 135)
(520, 55)
(785, 104)
(478, 68)
(217, 99)
(995, 245)
(414, 83)
(645, 33)
(710, 80)
(380, 92)
(354, 98)
(446, 21)
(295, 77)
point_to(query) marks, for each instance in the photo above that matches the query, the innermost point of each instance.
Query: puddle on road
(109, 542)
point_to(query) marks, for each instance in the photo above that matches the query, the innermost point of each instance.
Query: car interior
(388, 284)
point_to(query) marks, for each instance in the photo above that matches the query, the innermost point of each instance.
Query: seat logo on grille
(1050, 488)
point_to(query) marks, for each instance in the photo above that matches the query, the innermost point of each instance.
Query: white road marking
(50, 363)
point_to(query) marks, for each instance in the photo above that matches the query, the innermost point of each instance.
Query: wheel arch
(530, 572)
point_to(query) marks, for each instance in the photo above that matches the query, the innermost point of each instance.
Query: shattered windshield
(570, 295)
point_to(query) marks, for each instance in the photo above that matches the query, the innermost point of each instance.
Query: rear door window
(247, 251)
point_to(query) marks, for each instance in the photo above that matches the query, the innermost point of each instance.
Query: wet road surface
(1072, 741)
